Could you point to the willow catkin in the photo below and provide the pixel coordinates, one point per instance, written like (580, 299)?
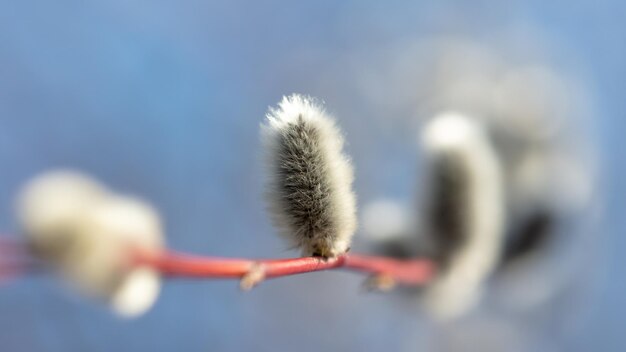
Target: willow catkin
(113, 229)
(464, 210)
(310, 179)
(87, 234)
(51, 208)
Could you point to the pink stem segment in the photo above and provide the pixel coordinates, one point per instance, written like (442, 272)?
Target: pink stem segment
(408, 272)
(15, 260)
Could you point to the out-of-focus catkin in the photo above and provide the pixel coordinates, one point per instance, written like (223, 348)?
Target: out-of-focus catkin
(88, 234)
(310, 178)
(463, 210)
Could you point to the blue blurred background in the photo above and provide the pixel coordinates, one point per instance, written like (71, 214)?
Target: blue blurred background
(164, 99)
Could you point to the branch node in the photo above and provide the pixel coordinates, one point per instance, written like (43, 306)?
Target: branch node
(253, 277)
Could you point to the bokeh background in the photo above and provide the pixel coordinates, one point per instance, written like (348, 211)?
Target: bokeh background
(163, 99)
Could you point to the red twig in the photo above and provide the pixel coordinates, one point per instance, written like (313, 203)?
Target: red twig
(14, 260)
(13, 269)
(409, 272)
(385, 271)
(11, 246)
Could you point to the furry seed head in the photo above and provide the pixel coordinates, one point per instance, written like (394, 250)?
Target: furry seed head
(310, 179)
(86, 233)
(464, 210)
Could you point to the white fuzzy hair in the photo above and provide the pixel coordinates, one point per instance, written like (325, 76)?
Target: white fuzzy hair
(310, 179)
(86, 233)
(52, 203)
(464, 211)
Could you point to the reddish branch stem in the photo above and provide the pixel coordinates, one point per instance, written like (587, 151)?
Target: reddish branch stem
(15, 259)
(409, 272)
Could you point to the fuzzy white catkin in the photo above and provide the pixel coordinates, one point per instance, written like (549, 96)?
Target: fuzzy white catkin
(467, 211)
(310, 178)
(51, 204)
(86, 232)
